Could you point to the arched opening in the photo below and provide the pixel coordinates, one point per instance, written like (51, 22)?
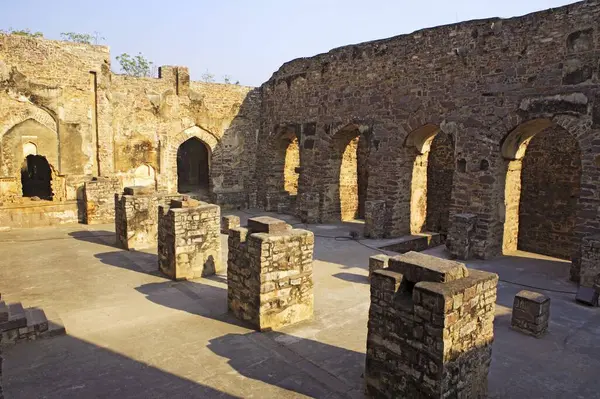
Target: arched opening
(291, 165)
(432, 178)
(36, 177)
(542, 189)
(193, 167)
(351, 152)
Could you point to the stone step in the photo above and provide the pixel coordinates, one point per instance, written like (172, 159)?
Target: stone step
(16, 318)
(36, 320)
(55, 325)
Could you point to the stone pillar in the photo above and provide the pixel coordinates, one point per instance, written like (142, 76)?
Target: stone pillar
(590, 260)
(375, 219)
(229, 222)
(98, 196)
(531, 313)
(460, 236)
(269, 273)
(136, 216)
(189, 242)
(430, 329)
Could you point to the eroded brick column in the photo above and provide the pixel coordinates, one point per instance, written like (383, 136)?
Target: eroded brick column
(189, 242)
(430, 329)
(375, 219)
(460, 236)
(98, 196)
(590, 260)
(269, 273)
(136, 216)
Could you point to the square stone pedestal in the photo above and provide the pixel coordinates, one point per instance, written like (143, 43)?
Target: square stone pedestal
(269, 273)
(189, 241)
(430, 329)
(531, 313)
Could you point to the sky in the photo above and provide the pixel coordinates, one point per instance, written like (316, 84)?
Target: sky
(247, 40)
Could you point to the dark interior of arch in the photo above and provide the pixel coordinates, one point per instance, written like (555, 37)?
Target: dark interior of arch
(440, 174)
(36, 177)
(193, 172)
(550, 184)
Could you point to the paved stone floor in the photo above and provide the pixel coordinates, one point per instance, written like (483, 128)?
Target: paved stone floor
(135, 334)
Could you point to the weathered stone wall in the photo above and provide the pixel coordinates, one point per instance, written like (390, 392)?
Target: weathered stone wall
(269, 273)
(189, 240)
(136, 216)
(99, 200)
(549, 192)
(477, 80)
(590, 260)
(430, 329)
(62, 99)
(440, 174)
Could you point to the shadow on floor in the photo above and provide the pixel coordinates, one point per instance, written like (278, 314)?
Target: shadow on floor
(102, 237)
(353, 278)
(141, 262)
(284, 360)
(67, 367)
(199, 299)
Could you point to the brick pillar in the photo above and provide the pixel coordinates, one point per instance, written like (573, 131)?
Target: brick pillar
(189, 241)
(430, 329)
(98, 196)
(460, 235)
(375, 219)
(590, 260)
(269, 273)
(136, 216)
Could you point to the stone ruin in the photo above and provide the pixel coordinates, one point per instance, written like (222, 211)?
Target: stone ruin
(136, 216)
(229, 222)
(269, 273)
(430, 329)
(531, 313)
(189, 241)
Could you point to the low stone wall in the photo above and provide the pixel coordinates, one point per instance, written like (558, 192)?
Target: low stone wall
(39, 214)
(189, 241)
(98, 196)
(430, 329)
(269, 273)
(590, 260)
(136, 216)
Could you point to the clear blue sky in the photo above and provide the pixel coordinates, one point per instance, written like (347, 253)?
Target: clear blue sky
(246, 39)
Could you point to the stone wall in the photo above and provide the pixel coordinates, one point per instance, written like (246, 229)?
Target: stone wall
(136, 216)
(269, 273)
(62, 99)
(440, 174)
(483, 82)
(430, 329)
(549, 191)
(590, 261)
(99, 197)
(189, 240)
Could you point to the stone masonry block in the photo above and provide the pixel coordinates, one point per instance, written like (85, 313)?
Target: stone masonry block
(139, 190)
(459, 241)
(267, 224)
(185, 203)
(416, 267)
(590, 260)
(189, 241)
(229, 222)
(269, 275)
(430, 329)
(377, 262)
(531, 313)
(375, 212)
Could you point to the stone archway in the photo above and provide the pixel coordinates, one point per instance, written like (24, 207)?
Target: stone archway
(432, 178)
(542, 189)
(169, 159)
(193, 167)
(36, 177)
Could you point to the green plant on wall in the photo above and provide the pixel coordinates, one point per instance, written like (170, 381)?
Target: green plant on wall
(21, 32)
(82, 37)
(138, 65)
